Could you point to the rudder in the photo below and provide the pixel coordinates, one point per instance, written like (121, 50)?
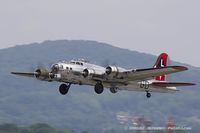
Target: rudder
(162, 61)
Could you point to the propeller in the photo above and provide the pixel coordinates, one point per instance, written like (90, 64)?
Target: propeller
(108, 70)
(85, 73)
(41, 72)
(107, 62)
(39, 65)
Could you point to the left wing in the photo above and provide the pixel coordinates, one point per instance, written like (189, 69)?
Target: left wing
(27, 74)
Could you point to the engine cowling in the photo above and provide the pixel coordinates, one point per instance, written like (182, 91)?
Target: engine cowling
(43, 74)
(88, 73)
(113, 71)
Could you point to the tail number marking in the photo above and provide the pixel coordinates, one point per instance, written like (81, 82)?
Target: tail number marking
(144, 84)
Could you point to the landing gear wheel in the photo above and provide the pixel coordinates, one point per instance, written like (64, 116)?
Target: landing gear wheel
(113, 90)
(148, 95)
(63, 89)
(98, 88)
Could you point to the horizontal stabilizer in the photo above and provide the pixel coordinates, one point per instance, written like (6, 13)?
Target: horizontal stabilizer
(171, 84)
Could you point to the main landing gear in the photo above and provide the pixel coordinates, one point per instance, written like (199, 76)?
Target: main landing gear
(98, 88)
(113, 90)
(64, 88)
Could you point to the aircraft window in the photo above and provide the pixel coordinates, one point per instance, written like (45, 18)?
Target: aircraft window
(67, 68)
(78, 63)
(70, 68)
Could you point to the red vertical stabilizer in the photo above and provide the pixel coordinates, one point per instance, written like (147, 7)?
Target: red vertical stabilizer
(162, 61)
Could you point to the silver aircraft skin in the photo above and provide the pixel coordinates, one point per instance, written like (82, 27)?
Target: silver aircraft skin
(112, 77)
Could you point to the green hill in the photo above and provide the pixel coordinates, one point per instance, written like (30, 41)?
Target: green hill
(27, 101)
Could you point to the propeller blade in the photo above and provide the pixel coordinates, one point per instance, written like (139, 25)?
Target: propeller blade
(107, 62)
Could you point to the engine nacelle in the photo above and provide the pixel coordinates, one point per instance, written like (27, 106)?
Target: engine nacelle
(113, 71)
(88, 73)
(43, 74)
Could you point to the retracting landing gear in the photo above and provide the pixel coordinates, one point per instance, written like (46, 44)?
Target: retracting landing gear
(148, 94)
(98, 88)
(113, 90)
(64, 88)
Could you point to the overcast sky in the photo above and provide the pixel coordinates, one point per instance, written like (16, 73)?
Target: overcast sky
(150, 26)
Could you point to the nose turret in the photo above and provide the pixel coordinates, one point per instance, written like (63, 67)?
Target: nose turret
(54, 68)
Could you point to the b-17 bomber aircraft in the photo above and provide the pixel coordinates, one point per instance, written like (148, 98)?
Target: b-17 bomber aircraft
(115, 78)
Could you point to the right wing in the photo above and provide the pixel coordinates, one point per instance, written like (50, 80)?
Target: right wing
(149, 73)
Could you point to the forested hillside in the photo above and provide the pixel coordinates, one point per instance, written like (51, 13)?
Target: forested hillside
(25, 101)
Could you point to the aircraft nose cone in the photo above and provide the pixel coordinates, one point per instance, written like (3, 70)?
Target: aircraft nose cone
(108, 70)
(85, 73)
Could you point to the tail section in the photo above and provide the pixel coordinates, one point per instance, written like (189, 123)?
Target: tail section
(162, 61)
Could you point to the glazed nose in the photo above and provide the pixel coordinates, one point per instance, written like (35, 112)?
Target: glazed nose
(55, 68)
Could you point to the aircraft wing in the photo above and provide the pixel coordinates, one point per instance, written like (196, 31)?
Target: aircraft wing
(28, 74)
(149, 73)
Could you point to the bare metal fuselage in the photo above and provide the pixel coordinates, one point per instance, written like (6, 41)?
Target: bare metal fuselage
(72, 73)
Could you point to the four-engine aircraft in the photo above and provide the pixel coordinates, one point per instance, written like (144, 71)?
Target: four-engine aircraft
(115, 78)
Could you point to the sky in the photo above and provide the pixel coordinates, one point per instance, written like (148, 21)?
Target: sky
(149, 26)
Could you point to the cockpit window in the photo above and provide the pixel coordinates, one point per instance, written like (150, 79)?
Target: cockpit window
(72, 62)
(77, 63)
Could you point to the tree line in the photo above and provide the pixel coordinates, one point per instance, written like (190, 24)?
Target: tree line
(35, 128)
